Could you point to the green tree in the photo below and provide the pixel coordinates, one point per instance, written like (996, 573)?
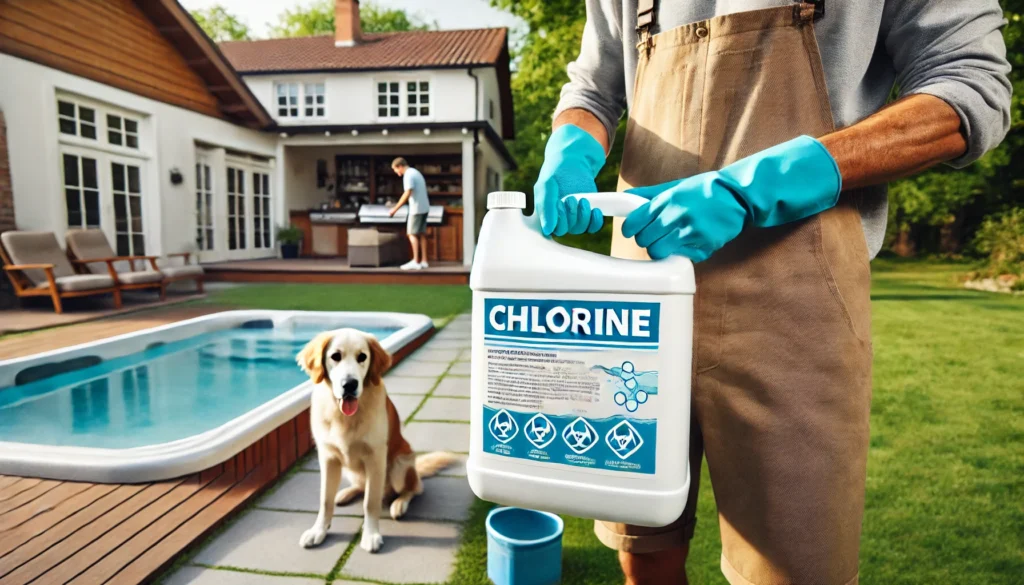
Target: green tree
(220, 25)
(554, 29)
(317, 18)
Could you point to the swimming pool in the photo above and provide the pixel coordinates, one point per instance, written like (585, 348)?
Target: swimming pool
(167, 401)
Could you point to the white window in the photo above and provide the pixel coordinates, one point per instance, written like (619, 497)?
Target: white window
(126, 186)
(122, 131)
(261, 209)
(204, 206)
(388, 96)
(417, 95)
(76, 119)
(236, 209)
(314, 100)
(81, 191)
(288, 100)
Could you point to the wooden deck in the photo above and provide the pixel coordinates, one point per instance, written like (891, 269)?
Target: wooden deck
(331, 270)
(83, 533)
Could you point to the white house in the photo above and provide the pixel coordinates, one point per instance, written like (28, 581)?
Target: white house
(123, 115)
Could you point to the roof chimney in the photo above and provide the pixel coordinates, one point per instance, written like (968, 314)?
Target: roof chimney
(346, 23)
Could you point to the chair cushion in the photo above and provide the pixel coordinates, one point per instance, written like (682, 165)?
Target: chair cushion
(182, 271)
(80, 282)
(140, 276)
(36, 248)
(92, 243)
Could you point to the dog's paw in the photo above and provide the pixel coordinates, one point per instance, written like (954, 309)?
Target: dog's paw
(371, 542)
(399, 507)
(312, 537)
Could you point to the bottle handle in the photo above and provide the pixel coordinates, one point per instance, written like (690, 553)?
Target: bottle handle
(619, 204)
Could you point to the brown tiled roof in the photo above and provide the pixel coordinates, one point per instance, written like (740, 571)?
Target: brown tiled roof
(397, 50)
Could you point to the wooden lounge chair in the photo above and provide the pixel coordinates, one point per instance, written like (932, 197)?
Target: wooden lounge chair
(37, 266)
(90, 252)
(91, 248)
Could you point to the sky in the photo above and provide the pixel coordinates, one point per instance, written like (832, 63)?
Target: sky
(449, 14)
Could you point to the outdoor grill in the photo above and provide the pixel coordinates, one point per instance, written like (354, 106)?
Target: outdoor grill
(378, 214)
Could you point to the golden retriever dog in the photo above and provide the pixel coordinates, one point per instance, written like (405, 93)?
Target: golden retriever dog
(357, 429)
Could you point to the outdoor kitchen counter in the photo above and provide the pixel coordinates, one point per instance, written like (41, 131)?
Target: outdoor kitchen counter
(444, 240)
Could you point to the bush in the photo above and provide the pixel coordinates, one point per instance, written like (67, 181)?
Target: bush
(289, 235)
(1001, 238)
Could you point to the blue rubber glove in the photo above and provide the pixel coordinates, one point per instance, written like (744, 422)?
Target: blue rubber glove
(696, 216)
(572, 159)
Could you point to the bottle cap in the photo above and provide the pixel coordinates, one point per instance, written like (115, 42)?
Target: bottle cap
(506, 200)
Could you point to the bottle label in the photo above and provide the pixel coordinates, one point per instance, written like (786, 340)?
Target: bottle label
(572, 382)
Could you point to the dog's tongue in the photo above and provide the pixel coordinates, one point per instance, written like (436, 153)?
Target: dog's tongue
(349, 406)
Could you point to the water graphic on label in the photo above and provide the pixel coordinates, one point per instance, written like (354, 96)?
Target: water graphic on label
(539, 431)
(634, 387)
(624, 440)
(503, 426)
(580, 436)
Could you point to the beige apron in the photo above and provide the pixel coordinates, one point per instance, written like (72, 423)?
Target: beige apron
(782, 354)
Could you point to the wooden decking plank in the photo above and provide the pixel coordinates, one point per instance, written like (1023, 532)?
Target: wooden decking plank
(17, 487)
(6, 480)
(33, 561)
(12, 539)
(157, 530)
(159, 556)
(116, 537)
(24, 497)
(41, 505)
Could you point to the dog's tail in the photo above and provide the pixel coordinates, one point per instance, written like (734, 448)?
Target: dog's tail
(429, 464)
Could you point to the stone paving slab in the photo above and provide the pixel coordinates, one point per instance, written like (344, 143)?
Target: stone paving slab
(465, 356)
(453, 386)
(429, 354)
(405, 404)
(411, 368)
(460, 369)
(443, 498)
(400, 385)
(413, 552)
(269, 541)
(301, 493)
(426, 436)
(204, 576)
(448, 344)
(444, 409)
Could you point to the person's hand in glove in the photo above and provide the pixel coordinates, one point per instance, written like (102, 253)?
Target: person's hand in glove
(572, 159)
(696, 216)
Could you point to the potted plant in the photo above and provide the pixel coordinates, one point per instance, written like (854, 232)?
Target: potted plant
(290, 238)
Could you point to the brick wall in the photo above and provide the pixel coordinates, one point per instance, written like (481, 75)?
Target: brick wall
(6, 208)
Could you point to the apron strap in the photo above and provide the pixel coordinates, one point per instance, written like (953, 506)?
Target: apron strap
(644, 16)
(819, 7)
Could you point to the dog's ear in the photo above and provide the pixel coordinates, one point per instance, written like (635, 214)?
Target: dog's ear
(311, 358)
(380, 361)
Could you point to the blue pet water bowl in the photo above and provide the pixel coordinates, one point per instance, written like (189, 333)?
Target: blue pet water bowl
(524, 547)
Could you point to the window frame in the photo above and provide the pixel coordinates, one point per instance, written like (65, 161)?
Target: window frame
(302, 88)
(418, 91)
(403, 104)
(101, 113)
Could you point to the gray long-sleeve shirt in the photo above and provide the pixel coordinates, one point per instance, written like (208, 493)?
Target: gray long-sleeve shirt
(952, 49)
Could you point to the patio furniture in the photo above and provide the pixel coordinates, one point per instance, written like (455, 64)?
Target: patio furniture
(90, 252)
(90, 246)
(369, 247)
(37, 266)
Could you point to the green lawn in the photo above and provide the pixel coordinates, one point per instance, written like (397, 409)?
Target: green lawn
(945, 489)
(436, 301)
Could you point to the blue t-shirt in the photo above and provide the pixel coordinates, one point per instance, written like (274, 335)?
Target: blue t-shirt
(418, 201)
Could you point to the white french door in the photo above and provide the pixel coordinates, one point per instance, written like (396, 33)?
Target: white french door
(261, 209)
(204, 203)
(81, 178)
(236, 208)
(126, 190)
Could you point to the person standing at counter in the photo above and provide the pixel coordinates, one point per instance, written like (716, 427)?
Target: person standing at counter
(416, 194)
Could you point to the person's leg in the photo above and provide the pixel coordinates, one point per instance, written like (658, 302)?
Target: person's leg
(423, 250)
(414, 240)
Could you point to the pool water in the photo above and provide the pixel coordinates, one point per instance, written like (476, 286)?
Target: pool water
(166, 392)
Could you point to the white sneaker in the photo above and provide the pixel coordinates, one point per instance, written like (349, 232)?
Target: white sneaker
(424, 265)
(410, 265)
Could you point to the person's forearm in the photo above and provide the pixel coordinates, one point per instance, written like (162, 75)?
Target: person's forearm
(587, 122)
(405, 197)
(904, 138)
